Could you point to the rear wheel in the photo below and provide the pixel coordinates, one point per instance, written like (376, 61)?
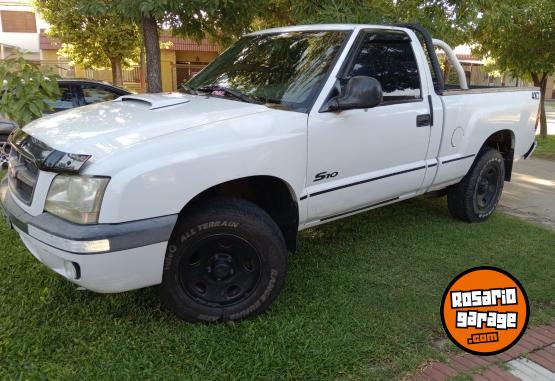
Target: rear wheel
(226, 260)
(475, 198)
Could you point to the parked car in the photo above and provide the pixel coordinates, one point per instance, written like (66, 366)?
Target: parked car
(6, 128)
(204, 193)
(74, 93)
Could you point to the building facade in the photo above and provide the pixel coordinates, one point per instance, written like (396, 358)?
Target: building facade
(180, 60)
(19, 29)
(22, 28)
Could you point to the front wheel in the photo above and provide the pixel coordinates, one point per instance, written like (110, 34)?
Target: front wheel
(226, 260)
(475, 198)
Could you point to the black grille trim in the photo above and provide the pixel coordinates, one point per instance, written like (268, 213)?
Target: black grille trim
(22, 176)
(45, 157)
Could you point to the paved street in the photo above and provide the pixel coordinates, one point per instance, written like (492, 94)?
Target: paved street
(531, 194)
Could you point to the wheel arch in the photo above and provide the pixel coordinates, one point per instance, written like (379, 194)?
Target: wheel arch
(272, 194)
(504, 142)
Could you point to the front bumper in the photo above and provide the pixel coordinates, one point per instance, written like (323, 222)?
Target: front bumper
(104, 258)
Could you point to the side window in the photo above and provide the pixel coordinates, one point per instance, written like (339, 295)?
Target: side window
(65, 101)
(94, 94)
(388, 57)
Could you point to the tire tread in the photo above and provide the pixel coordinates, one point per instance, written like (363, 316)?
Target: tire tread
(460, 197)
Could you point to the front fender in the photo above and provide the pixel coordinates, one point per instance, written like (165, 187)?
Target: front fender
(159, 178)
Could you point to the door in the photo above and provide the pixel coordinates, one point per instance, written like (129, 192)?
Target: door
(366, 157)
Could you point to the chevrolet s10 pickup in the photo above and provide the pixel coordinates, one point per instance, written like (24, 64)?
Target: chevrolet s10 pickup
(203, 192)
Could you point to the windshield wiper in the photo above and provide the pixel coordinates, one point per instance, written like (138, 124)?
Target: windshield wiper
(234, 93)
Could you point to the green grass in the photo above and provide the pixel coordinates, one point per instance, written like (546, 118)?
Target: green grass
(546, 148)
(361, 302)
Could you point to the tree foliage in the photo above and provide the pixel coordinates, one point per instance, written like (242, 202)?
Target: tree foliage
(225, 21)
(221, 21)
(26, 89)
(519, 36)
(438, 16)
(93, 41)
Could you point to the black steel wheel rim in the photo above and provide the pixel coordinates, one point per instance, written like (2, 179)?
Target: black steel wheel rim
(220, 270)
(487, 188)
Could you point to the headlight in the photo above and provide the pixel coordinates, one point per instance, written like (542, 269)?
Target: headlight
(76, 198)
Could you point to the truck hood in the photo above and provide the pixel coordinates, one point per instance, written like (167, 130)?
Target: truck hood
(104, 128)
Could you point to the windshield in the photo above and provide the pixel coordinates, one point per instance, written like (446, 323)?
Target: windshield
(284, 69)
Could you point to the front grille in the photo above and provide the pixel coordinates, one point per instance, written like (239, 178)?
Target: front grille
(22, 176)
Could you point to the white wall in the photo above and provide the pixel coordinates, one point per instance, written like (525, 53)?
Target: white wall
(25, 41)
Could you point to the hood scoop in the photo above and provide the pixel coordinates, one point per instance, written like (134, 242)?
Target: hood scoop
(156, 101)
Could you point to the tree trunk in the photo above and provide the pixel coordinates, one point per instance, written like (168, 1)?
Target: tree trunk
(117, 76)
(542, 116)
(142, 70)
(151, 40)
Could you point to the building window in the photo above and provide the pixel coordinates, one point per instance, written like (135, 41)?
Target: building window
(19, 22)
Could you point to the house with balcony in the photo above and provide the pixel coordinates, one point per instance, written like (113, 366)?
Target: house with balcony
(22, 28)
(19, 29)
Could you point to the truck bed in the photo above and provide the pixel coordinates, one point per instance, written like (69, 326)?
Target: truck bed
(455, 90)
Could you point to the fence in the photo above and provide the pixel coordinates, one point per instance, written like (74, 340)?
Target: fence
(65, 70)
(62, 68)
(181, 73)
(130, 75)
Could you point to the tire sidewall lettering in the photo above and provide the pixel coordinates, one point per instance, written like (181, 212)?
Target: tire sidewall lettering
(206, 226)
(271, 273)
(173, 248)
(253, 307)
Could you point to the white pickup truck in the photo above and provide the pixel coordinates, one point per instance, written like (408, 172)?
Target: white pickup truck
(203, 192)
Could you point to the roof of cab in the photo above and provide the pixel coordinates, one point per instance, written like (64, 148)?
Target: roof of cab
(322, 27)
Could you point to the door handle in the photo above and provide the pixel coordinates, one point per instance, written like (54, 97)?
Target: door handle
(424, 120)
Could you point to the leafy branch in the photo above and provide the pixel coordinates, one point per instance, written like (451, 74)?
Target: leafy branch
(26, 89)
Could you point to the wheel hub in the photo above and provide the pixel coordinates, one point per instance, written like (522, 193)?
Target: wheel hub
(487, 188)
(221, 266)
(220, 270)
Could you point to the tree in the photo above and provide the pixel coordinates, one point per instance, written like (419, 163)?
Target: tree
(438, 16)
(520, 37)
(225, 21)
(92, 41)
(26, 89)
(222, 21)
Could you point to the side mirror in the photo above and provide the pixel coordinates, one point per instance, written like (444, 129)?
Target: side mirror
(361, 92)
